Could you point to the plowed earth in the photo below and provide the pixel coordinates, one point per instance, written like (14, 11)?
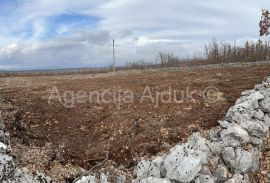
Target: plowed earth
(88, 132)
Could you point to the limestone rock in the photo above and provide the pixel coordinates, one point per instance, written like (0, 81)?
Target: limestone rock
(204, 179)
(183, 163)
(159, 162)
(87, 179)
(155, 180)
(238, 178)
(147, 169)
(255, 128)
(221, 173)
(239, 160)
(265, 104)
(235, 136)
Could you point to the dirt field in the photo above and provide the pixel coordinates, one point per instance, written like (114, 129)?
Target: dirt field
(86, 132)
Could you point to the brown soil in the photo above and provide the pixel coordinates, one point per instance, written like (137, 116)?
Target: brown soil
(90, 132)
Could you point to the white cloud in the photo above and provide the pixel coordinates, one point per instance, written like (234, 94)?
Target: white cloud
(141, 28)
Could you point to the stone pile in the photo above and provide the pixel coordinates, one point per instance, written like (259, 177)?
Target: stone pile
(230, 152)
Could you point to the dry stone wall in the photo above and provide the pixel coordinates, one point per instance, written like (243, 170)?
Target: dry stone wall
(229, 154)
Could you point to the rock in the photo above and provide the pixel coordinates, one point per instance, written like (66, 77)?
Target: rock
(239, 113)
(87, 179)
(103, 178)
(255, 96)
(248, 92)
(266, 120)
(204, 179)
(257, 114)
(256, 159)
(217, 147)
(238, 178)
(235, 136)
(7, 166)
(265, 104)
(213, 162)
(239, 160)
(225, 124)
(221, 173)
(121, 179)
(3, 147)
(41, 178)
(155, 180)
(251, 95)
(159, 162)
(205, 170)
(200, 146)
(255, 128)
(183, 163)
(256, 141)
(214, 134)
(23, 175)
(258, 87)
(147, 169)
(2, 136)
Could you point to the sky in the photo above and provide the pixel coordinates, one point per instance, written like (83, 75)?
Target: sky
(53, 34)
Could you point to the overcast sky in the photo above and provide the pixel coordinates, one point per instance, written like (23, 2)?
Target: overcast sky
(41, 34)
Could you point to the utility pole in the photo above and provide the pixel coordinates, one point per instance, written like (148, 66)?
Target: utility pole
(113, 55)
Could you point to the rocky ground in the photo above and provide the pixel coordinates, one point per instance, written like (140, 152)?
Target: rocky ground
(37, 131)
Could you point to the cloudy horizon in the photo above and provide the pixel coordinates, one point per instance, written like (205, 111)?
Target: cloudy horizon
(53, 34)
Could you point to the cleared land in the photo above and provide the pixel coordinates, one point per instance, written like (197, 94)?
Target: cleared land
(92, 131)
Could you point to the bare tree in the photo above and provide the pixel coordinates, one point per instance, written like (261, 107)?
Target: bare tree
(264, 23)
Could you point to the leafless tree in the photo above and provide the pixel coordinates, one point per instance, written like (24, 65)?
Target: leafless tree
(264, 23)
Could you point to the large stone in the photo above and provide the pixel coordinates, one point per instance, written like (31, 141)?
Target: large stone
(23, 175)
(155, 180)
(159, 162)
(257, 114)
(121, 179)
(217, 147)
(266, 120)
(183, 163)
(199, 144)
(87, 179)
(103, 178)
(239, 113)
(214, 134)
(147, 169)
(238, 178)
(225, 124)
(251, 95)
(265, 104)
(239, 160)
(7, 166)
(235, 136)
(255, 128)
(204, 179)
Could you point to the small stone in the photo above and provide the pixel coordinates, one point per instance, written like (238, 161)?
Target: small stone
(147, 169)
(221, 173)
(213, 162)
(205, 170)
(204, 179)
